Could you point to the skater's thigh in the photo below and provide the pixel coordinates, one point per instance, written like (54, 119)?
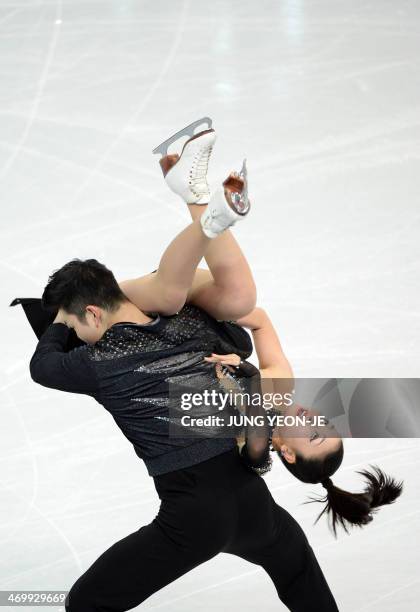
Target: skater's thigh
(145, 292)
(202, 279)
(130, 571)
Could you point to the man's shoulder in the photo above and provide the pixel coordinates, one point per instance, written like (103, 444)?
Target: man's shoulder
(232, 336)
(128, 339)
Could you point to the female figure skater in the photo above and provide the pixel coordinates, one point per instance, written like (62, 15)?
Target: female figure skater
(210, 501)
(311, 453)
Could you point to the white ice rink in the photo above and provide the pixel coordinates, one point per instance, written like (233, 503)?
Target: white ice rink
(323, 97)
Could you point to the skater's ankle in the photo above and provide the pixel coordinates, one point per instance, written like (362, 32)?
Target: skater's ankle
(196, 210)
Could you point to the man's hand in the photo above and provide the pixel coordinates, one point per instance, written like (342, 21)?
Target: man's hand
(60, 318)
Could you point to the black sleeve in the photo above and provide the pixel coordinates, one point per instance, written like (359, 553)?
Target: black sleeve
(51, 366)
(247, 369)
(260, 463)
(232, 338)
(256, 450)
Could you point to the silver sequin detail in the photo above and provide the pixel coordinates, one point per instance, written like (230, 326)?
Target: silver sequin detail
(160, 401)
(263, 469)
(124, 340)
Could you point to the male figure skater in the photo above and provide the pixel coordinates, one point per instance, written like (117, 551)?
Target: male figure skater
(211, 501)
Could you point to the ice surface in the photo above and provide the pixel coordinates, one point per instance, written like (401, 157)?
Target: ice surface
(323, 99)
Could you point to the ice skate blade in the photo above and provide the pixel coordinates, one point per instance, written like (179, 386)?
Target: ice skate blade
(189, 130)
(244, 175)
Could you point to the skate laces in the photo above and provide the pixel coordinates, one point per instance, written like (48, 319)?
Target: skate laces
(198, 174)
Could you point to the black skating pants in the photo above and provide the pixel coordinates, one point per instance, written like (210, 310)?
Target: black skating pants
(216, 506)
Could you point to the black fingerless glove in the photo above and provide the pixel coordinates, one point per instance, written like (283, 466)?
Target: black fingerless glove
(247, 369)
(262, 465)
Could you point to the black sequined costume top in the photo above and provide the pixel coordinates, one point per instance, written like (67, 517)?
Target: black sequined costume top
(129, 369)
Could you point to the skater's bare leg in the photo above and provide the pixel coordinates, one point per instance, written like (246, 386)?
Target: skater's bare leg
(227, 290)
(166, 290)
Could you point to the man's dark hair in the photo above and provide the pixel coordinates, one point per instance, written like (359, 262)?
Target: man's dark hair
(79, 283)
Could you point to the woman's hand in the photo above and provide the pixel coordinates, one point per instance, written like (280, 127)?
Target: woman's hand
(224, 364)
(231, 359)
(225, 360)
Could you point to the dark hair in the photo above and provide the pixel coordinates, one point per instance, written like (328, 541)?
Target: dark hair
(345, 508)
(79, 283)
(315, 470)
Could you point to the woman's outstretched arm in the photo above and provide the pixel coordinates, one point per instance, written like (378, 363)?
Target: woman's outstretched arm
(272, 361)
(276, 376)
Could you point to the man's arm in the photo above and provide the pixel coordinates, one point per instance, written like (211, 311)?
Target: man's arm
(51, 366)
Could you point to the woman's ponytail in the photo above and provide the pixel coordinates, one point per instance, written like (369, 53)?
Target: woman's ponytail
(357, 509)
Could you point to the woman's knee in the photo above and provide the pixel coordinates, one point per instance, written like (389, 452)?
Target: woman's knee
(238, 303)
(172, 301)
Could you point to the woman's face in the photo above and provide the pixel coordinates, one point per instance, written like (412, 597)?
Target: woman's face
(311, 441)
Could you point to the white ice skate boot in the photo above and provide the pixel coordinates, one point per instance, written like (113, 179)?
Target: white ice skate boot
(227, 205)
(186, 173)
